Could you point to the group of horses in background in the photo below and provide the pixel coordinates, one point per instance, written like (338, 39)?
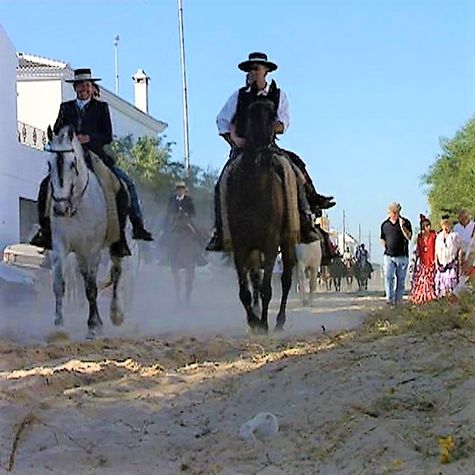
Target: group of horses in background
(311, 273)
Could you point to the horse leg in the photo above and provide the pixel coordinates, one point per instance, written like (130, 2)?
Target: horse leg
(286, 284)
(301, 281)
(256, 289)
(245, 295)
(177, 282)
(313, 283)
(116, 313)
(89, 273)
(190, 277)
(266, 293)
(58, 287)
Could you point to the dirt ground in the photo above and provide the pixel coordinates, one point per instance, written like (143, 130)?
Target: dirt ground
(168, 393)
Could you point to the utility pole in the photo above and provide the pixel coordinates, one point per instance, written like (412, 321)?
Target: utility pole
(184, 89)
(369, 244)
(344, 232)
(116, 61)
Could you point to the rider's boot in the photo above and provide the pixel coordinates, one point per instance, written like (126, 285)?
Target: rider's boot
(317, 201)
(216, 242)
(139, 231)
(120, 247)
(43, 236)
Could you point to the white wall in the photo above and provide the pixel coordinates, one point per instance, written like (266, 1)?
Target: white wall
(123, 125)
(21, 167)
(38, 102)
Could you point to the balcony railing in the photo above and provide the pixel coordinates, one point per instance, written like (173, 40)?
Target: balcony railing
(31, 136)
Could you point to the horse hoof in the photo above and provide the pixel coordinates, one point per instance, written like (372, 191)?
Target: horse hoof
(91, 334)
(117, 318)
(58, 321)
(279, 328)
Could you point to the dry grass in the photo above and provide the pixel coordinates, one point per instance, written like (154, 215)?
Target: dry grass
(429, 319)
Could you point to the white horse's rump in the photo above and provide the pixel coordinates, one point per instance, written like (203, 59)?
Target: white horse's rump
(79, 224)
(309, 257)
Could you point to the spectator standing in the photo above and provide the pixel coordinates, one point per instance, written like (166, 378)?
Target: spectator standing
(396, 232)
(449, 254)
(423, 280)
(465, 228)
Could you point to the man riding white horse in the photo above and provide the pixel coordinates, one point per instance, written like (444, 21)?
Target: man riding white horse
(90, 119)
(231, 122)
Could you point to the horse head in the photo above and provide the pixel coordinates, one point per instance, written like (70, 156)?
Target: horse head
(67, 171)
(260, 124)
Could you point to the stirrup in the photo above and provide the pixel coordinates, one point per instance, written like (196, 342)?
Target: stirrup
(215, 244)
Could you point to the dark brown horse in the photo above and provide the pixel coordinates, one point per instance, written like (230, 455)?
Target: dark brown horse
(184, 243)
(258, 219)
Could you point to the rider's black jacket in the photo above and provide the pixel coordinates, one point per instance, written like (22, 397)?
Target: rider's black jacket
(176, 207)
(93, 120)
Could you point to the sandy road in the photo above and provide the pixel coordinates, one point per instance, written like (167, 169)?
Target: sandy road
(173, 401)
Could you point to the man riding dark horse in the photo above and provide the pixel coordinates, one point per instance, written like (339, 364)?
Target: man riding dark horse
(231, 122)
(179, 220)
(90, 119)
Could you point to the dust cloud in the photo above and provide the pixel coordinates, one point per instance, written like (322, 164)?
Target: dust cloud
(153, 309)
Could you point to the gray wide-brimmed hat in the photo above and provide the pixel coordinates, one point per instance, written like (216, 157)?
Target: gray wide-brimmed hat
(257, 58)
(82, 74)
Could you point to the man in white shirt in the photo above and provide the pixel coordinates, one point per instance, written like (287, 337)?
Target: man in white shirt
(465, 228)
(231, 123)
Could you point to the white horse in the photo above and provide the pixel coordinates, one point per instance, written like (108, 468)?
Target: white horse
(78, 224)
(309, 257)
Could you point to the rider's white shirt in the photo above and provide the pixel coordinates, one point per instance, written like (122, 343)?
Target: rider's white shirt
(226, 115)
(466, 233)
(82, 103)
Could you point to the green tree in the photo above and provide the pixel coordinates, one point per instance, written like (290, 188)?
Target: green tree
(148, 162)
(451, 178)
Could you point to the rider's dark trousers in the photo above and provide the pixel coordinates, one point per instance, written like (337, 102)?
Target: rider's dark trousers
(135, 210)
(42, 197)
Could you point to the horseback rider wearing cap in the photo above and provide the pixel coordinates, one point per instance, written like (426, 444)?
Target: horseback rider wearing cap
(231, 123)
(91, 121)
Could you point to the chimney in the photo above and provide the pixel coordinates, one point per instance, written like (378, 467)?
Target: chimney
(141, 90)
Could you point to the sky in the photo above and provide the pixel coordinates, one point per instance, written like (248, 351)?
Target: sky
(373, 84)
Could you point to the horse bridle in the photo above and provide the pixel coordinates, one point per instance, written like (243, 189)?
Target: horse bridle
(73, 210)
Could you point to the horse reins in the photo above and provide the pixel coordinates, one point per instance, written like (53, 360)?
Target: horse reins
(71, 191)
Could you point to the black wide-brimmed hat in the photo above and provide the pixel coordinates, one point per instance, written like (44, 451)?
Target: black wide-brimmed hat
(83, 74)
(257, 58)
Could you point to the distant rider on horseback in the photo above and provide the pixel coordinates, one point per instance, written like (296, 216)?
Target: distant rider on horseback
(180, 212)
(362, 256)
(91, 121)
(231, 122)
(180, 203)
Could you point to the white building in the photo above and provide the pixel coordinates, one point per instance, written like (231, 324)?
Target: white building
(21, 167)
(31, 90)
(41, 88)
